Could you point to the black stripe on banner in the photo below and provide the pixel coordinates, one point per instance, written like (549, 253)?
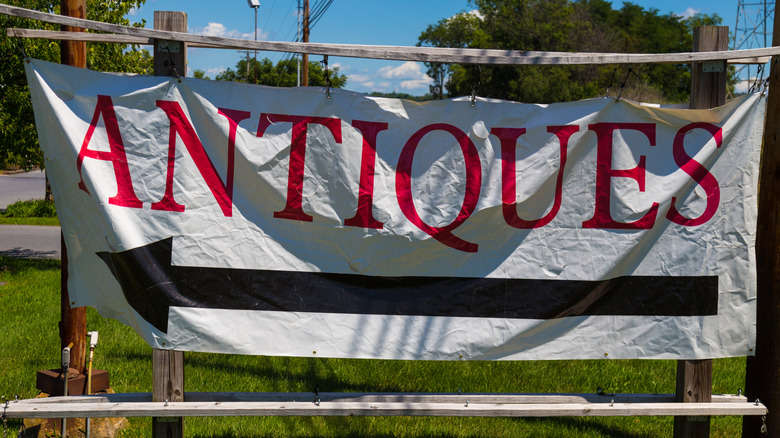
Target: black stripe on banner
(151, 285)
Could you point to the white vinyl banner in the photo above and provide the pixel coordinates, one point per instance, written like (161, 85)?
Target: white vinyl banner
(225, 217)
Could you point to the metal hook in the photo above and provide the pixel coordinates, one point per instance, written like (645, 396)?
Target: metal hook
(625, 81)
(20, 43)
(327, 75)
(173, 64)
(475, 84)
(611, 81)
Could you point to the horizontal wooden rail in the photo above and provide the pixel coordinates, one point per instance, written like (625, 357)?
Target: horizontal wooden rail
(402, 397)
(399, 53)
(372, 404)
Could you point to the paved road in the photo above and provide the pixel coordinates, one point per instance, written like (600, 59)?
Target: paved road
(30, 241)
(21, 187)
(26, 240)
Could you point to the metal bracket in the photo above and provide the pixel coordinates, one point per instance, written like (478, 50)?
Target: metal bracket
(169, 46)
(697, 418)
(167, 419)
(712, 66)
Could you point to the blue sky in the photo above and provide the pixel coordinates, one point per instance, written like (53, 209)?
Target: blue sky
(372, 22)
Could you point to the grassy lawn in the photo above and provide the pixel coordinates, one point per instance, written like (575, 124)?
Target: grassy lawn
(29, 311)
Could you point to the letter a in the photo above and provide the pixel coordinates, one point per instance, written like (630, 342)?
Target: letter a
(125, 195)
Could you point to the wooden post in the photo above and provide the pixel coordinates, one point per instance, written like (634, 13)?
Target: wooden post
(170, 58)
(708, 90)
(763, 370)
(305, 39)
(73, 322)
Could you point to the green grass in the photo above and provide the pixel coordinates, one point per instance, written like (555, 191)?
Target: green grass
(29, 311)
(32, 212)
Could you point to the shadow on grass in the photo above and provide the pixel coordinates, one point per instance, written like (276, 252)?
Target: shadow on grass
(19, 263)
(592, 425)
(25, 253)
(524, 427)
(291, 373)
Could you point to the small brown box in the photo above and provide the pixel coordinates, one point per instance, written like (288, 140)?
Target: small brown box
(51, 382)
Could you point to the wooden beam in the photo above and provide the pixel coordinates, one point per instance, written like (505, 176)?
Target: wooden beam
(366, 397)
(170, 59)
(73, 320)
(708, 90)
(421, 54)
(373, 409)
(763, 370)
(15, 32)
(167, 387)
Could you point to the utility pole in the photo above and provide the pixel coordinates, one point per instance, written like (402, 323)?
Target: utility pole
(254, 4)
(73, 323)
(762, 380)
(305, 62)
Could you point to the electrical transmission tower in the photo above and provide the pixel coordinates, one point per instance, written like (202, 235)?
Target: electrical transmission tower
(753, 30)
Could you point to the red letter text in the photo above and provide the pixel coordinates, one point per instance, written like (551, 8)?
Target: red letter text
(602, 217)
(294, 209)
(125, 194)
(403, 183)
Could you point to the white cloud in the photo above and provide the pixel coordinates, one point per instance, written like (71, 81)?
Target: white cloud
(690, 12)
(407, 70)
(358, 78)
(219, 30)
(213, 72)
(408, 77)
(417, 84)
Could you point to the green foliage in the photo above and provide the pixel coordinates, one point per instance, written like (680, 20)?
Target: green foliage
(405, 96)
(18, 136)
(282, 74)
(200, 74)
(30, 209)
(565, 26)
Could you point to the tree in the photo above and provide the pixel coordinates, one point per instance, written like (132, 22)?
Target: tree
(566, 26)
(18, 136)
(283, 74)
(460, 31)
(200, 74)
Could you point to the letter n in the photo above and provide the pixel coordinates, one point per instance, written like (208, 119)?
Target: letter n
(180, 125)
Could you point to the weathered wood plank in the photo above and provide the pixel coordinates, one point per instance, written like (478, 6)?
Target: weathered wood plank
(421, 54)
(168, 365)
(146, 41)
(92, 37)
(708, 90)
(221, 409)
(385, 398)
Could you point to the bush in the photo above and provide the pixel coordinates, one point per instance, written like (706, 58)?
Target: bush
(31, 208)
